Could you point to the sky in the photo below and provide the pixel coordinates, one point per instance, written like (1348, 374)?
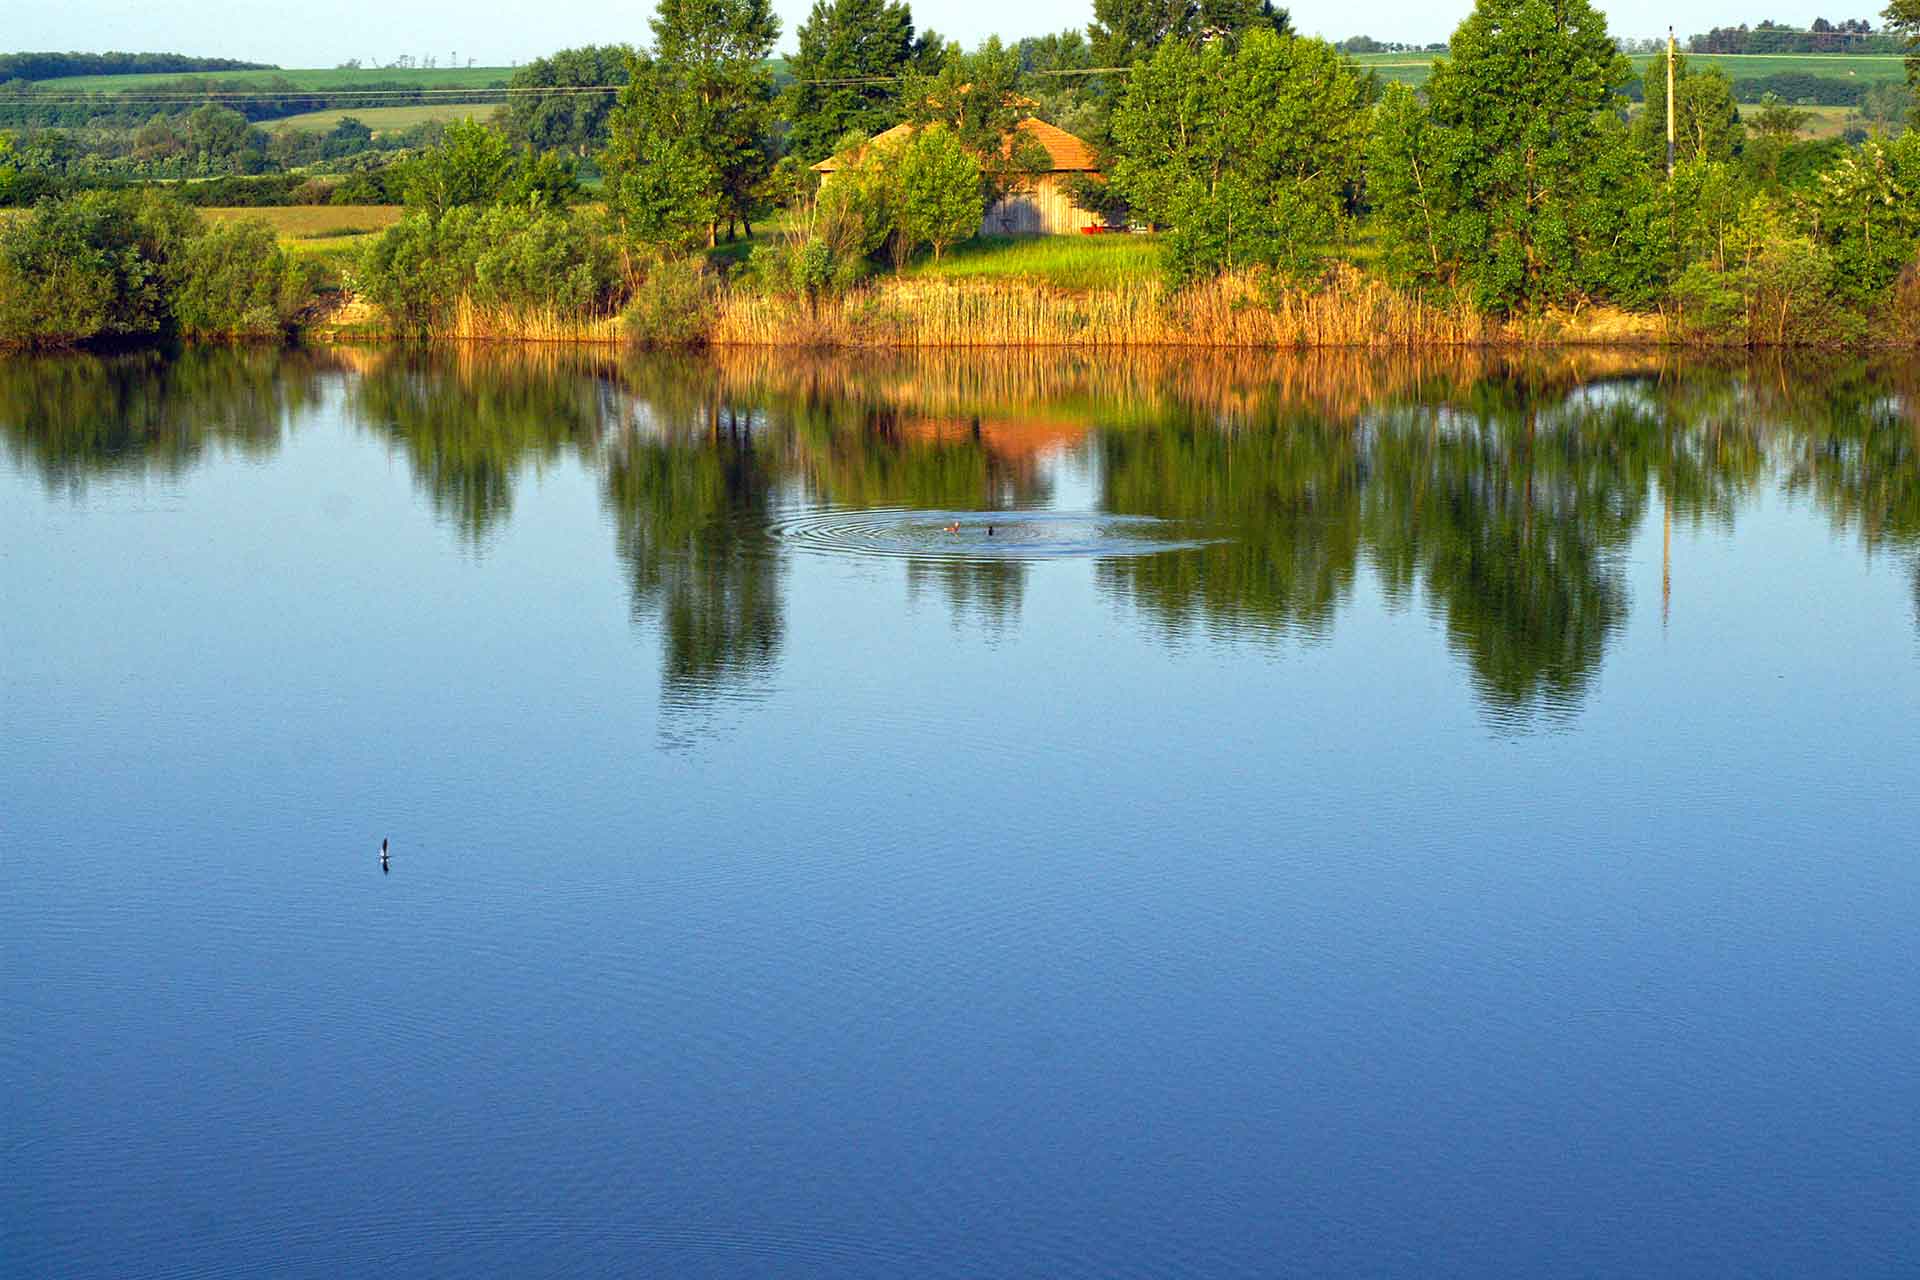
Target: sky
(377, 31)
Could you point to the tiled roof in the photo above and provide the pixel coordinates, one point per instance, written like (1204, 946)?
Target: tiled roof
(1065, 153)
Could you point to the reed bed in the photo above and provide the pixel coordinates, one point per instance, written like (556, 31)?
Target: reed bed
(1348, 308)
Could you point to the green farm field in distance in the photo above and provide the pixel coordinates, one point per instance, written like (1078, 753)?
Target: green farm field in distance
(1859, 68)
(384, 119)
(329, 78)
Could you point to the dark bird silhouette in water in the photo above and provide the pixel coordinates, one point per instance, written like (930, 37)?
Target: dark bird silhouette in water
(384, 868)
(989, 531)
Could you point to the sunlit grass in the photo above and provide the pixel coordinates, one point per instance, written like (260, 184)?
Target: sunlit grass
(332, 222)
(385, 119)
(1076, 262)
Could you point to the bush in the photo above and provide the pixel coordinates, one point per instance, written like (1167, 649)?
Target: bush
(513, 258)
(99, 264)
(237, 282)
(672, 307)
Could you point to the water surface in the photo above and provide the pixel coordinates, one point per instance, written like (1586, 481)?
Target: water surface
(1347, 818)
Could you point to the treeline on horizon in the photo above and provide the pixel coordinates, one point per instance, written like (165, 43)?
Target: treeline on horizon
(55, 66)
(1512, 185)
(1854, 35)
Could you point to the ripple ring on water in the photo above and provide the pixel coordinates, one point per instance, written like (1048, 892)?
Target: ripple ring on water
(919, 534)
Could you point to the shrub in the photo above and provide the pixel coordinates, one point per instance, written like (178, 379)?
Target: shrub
(672, 307)
(937, 192)
(98, 264)
(237, 282)
(516, 259)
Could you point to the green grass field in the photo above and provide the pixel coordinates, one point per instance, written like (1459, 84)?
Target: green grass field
(385, 119)
(316, 221)
(1066, 262)
(1412, 68)
(440, 78)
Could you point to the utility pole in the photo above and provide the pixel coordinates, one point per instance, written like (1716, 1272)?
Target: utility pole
(1669, 102)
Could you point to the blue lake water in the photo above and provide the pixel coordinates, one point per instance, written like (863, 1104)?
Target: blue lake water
(1347, 818)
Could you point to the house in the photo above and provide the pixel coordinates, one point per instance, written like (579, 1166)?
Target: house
(1040, 206)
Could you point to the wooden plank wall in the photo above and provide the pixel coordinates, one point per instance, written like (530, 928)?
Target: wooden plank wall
(1041, 210)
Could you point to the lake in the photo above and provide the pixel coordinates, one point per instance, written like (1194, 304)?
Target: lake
(1049, 815)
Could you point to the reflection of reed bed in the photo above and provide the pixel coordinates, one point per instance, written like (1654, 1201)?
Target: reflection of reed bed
(1150, 385)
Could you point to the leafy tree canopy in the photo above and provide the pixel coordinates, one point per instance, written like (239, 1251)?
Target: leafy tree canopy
(1124, 31)
(575, 122)
(848, 72)
(1516, 177)
(1246, 155)
(1706, 121)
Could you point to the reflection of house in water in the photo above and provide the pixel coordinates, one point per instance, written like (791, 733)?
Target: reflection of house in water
(1039, 205)
(1017, 449)
(1015, 441)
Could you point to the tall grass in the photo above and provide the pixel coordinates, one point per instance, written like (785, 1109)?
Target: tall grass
(1346, 309)
(1061, 262)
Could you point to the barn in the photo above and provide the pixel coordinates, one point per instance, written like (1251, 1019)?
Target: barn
(1040, 207)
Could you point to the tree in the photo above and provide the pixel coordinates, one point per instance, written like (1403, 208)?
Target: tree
(1866, 211)
(1903, 19)
(663, 178)
(977, 96)
(1775, 127)
(471, 166)
(848, 52)
(216, 135)
(938, 198)
(1125, 31)
(1706, 121)
(574, 122)
(1517, 178)
(349, 136)
(1247, 155)
(718, 50)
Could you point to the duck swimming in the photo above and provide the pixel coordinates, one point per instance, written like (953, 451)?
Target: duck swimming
(383, 853)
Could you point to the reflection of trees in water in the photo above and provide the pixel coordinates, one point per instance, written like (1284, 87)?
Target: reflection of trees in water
(989, 592)
(1280, 502)
(73, 418)
(1499, 494)
(1510, 519)
(691, 507)
(470, 423)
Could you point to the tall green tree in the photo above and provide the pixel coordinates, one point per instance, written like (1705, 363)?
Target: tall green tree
(718, 51)
(1516, 179)
(977, 97)
(559, 119)
(1125, 31)
(847, 73)
(1706, 121)
(1246, 155)
(663, 178)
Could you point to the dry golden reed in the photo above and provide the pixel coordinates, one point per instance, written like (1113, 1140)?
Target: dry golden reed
(1347, 309)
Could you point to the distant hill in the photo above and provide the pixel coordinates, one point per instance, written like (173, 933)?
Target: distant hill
(51, 66)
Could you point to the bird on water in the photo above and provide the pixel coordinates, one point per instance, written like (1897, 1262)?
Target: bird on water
(383, 853)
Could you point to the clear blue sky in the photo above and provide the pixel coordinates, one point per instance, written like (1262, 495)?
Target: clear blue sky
(379, 30)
